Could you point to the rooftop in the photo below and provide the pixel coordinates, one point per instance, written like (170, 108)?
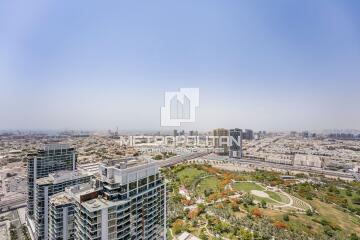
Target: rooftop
(94, 202)
(61, 176)
(60, 199)
(127, 170)
(56, 146)
(127, 162)
(101, 203)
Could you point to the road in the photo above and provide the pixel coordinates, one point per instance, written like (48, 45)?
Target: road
(181, 158)
(12, 204)
(301, 168)
(314, 170)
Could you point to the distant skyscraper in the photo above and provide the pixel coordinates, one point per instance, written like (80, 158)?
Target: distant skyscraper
(48, 159)
(193, 133)
(293, 133)
(248, 134)
(236, 146)
(221, 132)
(305, 134)
(129, 204)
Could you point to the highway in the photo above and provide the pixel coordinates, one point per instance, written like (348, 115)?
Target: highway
(182, 158)
(179, 159)
(12, 204)
(294, 168)
(301, 169)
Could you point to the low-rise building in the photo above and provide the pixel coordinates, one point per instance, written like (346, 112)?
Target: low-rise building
(308, 160)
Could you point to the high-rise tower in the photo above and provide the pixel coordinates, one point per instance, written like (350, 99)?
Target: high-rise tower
(48, 159)
(235, 143)
(129, 202)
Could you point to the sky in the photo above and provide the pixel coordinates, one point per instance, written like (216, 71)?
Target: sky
(265, 65)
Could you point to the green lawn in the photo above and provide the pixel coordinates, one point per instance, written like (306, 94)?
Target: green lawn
(187, 175)
(267, 200)
(208, 183)
(274, 195)
(247, 186)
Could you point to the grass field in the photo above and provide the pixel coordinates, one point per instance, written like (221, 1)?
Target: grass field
(187, 175)
(274, 196)
(267, 200)
(329, 212)
(247, 186)
(298, 222)
(208, 183)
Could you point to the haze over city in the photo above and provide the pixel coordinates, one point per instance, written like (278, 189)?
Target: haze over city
(279, 65)
(180, 120)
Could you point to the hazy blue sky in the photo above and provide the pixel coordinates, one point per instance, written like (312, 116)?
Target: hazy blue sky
(274, 65)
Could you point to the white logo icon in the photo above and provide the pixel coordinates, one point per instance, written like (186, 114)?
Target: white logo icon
(179, 107)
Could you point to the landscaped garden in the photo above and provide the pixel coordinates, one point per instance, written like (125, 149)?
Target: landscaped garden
(217, 204)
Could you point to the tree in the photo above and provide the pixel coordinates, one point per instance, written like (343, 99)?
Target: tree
(13, 234)
(219, 206)
(353, 236)
(280, 224)
(203, 236)
(263, 203)
(208, 192)
(356, 200)
(256, 212)
(348, 192)
(286, 217)
(193, 214)
(333, 189)
(248, 199)
(309, 212)
(234, 206)
(201, 208)
(245, 234)
(328, 231)
(158, 157)
(178, 226)
(212, 197)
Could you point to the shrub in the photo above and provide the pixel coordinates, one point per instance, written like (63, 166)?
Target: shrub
(256, 212)
(356, 200)
(279, 224)
(309, 212)
(328, 231)
(178, 226)
(353, 236)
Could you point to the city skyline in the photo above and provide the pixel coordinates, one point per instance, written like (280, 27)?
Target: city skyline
(274, 66)
(173, 120)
